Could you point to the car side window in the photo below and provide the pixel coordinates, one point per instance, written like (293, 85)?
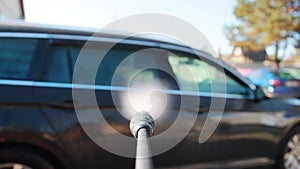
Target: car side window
(62, 60)
(58, 67)
(15, 57)
(123, 67)
(203, 75)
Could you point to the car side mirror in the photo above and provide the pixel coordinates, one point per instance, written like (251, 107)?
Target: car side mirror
(261, 93)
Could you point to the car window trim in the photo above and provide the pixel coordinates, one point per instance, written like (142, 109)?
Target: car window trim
(114, 88)
(104, 39)
(24, 35)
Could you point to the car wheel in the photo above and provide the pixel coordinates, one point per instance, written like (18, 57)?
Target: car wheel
(290, 151)
(13, 166)
(15, 158)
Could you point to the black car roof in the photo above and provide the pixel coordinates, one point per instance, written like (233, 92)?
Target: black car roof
(53, 29)
(80, 31)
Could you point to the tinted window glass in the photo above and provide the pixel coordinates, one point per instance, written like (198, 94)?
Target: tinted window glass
(191, 72)
(15, 57)
(58, 65)
(123, 67)
(62, 60)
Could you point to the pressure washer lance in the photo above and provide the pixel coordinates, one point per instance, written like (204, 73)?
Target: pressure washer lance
(142, 127)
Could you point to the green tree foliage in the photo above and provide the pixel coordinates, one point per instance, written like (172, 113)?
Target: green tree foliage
(262, 23)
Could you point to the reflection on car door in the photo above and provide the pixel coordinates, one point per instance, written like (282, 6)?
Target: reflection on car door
(251, 132)
(240, 129)
(191, 72)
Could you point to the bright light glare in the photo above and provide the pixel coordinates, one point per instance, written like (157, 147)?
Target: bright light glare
(141, 97)
(271, 89)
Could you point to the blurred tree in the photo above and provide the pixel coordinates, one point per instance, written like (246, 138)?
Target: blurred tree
(262, 23)
(294, 60)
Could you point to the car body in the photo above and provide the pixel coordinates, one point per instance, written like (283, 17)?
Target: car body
(284, 82)
(40, 129)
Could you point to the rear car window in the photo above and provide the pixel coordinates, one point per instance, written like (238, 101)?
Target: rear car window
(15, 57)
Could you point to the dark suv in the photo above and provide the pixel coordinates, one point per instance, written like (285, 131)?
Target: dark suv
(39, 128)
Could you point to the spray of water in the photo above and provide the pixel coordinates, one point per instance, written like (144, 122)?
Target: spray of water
(144, 97)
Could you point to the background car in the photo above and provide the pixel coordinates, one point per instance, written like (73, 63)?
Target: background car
(39, 127)
(284, 82)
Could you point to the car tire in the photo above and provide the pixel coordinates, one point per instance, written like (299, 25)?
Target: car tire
(21, 158)
(289, 154)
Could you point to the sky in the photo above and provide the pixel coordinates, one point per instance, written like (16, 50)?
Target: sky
(209, 17)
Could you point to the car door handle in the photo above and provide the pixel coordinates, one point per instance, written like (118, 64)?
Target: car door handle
(202, 109)
(63, 104)
(224, 126)
(68, 102)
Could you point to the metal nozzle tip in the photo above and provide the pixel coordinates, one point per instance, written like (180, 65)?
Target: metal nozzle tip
(141, 120)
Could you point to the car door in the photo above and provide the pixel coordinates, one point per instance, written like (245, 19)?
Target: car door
(53, 93)
(19, 54)
(244, 135)
(206, 77)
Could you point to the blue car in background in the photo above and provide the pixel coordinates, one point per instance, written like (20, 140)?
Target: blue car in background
(281, 83)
